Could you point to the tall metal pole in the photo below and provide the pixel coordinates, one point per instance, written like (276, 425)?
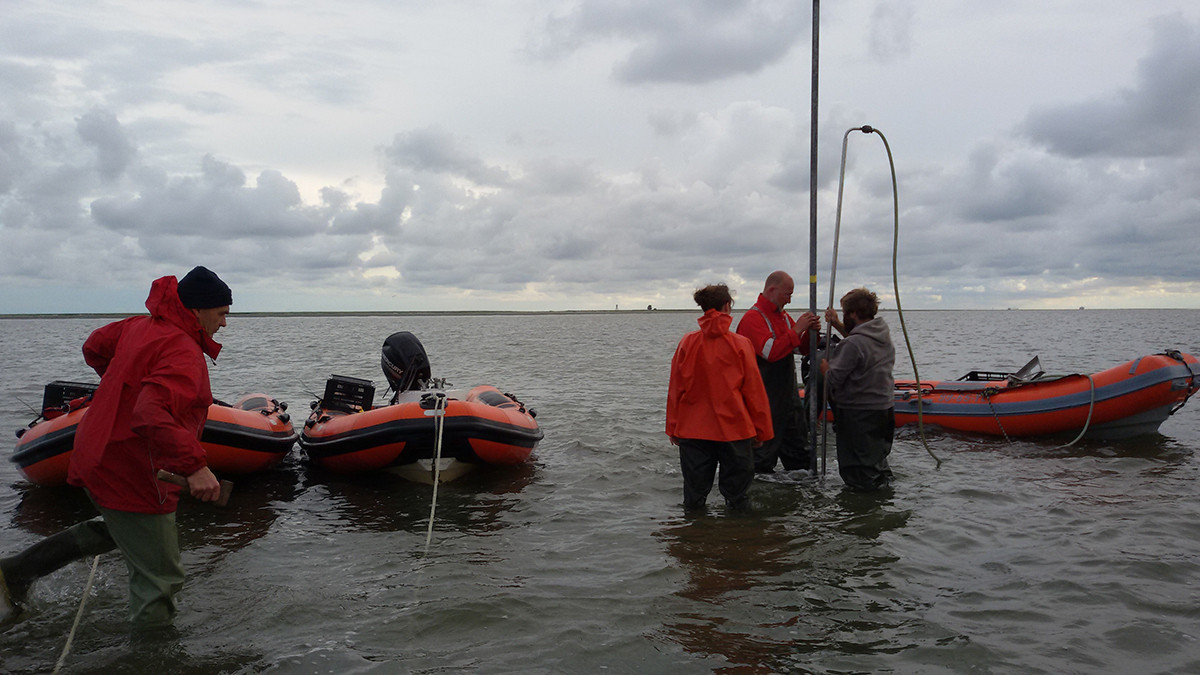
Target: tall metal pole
(812, 395)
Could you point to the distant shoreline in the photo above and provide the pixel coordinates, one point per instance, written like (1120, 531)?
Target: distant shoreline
(462, 312)
(559, 312)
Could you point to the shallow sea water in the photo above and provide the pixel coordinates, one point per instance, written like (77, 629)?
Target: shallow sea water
(1009, 557)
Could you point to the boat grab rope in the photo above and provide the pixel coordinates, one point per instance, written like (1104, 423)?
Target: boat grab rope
(87, 589)
(1191, 389)
(439, 423)
(868, 129)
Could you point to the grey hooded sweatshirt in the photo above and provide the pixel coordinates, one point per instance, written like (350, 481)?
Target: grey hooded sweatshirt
(860, 367)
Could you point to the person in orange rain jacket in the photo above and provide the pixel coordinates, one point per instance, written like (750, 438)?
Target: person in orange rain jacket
(717, 408)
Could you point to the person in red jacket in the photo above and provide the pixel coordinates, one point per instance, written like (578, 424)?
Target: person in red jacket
(147, 414)
(776, 339)
(717, 409)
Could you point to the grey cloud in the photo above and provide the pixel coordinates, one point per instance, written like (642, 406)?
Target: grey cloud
(1012, 187)
(33, 84)
(690, 43)
(12, 161)
(436, 151)
(332, 76)
(42, 183)
(114, 149)
(557, 175)
(1156, 117)
(891, 30)
(216, 203)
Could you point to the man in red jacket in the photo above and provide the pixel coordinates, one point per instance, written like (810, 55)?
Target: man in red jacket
(147, 414)
(717, 408)
(776, 339)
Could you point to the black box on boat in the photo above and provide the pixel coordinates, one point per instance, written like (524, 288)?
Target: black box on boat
(60, 392)
(348, 394)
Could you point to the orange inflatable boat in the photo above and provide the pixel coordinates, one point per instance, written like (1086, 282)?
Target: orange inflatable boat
(253, 434)
(422, 422)
(1128, 400)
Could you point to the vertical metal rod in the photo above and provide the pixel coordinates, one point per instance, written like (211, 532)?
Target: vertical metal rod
(812, 237)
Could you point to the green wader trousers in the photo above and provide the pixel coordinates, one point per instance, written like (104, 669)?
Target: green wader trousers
(149, 542)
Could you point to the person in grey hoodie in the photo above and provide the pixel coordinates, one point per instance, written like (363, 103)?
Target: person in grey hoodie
(859, 370)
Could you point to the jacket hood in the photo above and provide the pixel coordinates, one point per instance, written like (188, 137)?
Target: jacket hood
(714, 323)
(164, 303)
(875, 330)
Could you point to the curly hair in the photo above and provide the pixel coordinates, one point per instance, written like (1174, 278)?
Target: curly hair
(861, 302)
(713, 296)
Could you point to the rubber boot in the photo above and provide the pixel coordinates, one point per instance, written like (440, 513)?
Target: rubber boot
(18, 572)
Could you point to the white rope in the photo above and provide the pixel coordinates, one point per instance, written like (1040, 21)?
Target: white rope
(1088, 421)
(439, 421)
(87, 589)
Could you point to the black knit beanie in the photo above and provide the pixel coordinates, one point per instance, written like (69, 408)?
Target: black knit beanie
(202, 289)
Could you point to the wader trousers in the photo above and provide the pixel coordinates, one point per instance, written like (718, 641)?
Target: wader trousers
(149, 542)
(789, 445)
(699, 460)
(864, 441)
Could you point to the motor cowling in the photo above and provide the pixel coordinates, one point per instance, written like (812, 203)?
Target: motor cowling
(404, 362)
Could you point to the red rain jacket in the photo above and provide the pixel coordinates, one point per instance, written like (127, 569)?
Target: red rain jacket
(150, 408)
(773, 341)
(716, 392)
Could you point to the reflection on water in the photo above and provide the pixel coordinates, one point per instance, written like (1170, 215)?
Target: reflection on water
(384, 502)
(802, 572)
(45, 510)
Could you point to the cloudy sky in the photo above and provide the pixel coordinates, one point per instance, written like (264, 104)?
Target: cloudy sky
(589, 154)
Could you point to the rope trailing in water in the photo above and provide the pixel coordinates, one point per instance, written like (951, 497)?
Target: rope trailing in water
(439, 422)
(868, 129)
(87, 589)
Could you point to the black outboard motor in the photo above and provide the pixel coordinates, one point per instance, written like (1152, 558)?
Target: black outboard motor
(404, 362)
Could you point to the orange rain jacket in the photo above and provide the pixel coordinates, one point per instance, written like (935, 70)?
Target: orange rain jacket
(150, 408)
(716, 392)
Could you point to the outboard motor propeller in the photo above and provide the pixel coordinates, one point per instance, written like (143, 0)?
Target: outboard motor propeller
(404, 362)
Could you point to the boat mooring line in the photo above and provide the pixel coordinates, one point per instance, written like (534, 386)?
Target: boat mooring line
(87, 589)
(837, 227)
(439, 412)
(987, 394)
(1191, 387)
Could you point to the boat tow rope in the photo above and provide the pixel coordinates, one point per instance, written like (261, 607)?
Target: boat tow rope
(439, 423)
(837, 227)
(87, 590)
